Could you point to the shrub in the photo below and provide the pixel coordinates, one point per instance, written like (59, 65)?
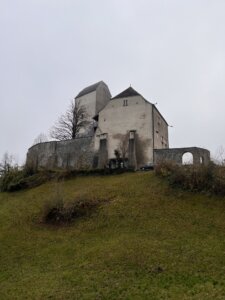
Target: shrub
(57, 211)
(15, 179)
(10, 178)
(210, 178)
(60, 213)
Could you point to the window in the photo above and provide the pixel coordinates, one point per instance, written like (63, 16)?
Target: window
(132, 134)
(125, 102)
(187, 158)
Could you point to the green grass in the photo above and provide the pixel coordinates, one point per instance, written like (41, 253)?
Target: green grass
(148, 242)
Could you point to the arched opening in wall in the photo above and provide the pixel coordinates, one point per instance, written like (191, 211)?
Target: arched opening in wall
(187, 158)
(201, 160)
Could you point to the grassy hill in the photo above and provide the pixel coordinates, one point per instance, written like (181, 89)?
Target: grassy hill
(148, 241)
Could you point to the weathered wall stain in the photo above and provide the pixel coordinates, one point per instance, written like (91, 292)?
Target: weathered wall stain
(142, 146)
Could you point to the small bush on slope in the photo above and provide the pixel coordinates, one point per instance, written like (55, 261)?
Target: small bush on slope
(210, 178)
(9, 178)
(57, 211)
(15, 180)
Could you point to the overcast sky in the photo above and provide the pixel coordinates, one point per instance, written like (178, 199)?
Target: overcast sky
(171, 51)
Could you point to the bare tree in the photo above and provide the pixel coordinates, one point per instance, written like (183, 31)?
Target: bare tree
(219, 157)
(122, 149)
(7, 163)
(123, 146)
(70, 124)
(41, 138)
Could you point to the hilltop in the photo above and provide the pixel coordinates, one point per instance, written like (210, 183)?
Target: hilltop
(145, 241)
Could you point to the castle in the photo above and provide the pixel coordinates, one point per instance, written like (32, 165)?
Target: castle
(126, 125)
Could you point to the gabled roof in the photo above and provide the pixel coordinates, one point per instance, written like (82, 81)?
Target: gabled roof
(130, 92)
(89, 89)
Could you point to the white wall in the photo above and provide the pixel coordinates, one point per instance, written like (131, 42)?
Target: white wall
(89, 101)
(116, 120)
(161, 139)
(103, 96)
(94, 102)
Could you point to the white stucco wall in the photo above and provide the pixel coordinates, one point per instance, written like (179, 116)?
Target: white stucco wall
(89, 101)
(116, 120)
(103, 96)
(161, 139)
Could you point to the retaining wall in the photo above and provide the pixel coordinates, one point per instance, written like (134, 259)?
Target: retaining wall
(70, 154)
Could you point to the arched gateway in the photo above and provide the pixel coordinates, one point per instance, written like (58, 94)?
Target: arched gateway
(200, 155)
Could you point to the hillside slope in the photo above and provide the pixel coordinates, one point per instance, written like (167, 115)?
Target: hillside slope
(147, 242)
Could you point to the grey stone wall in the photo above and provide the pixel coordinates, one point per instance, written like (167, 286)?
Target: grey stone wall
(132, 157)
(160, 130)
(200, 155)
(71, 154)
(103, 153)
(103, 96)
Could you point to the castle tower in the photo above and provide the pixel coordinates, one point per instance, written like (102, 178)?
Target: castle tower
(94, 98)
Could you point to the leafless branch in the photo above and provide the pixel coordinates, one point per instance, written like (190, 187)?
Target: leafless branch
(70, 124)
(123, 146)
(41, 138)
(7, 163)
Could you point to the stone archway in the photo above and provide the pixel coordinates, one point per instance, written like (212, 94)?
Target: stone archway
(187, 158)
(201, 160)
(199, 155)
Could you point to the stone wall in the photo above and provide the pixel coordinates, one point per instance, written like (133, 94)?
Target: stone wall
(71, 154)
(160, 130)
(200, 155)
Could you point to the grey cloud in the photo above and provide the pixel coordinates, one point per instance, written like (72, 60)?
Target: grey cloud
(172, 52)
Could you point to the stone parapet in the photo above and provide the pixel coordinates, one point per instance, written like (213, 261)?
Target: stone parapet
(69, 154)
(200, 155)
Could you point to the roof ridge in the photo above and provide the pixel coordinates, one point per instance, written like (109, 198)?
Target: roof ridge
(89, 89)
(129, 92)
